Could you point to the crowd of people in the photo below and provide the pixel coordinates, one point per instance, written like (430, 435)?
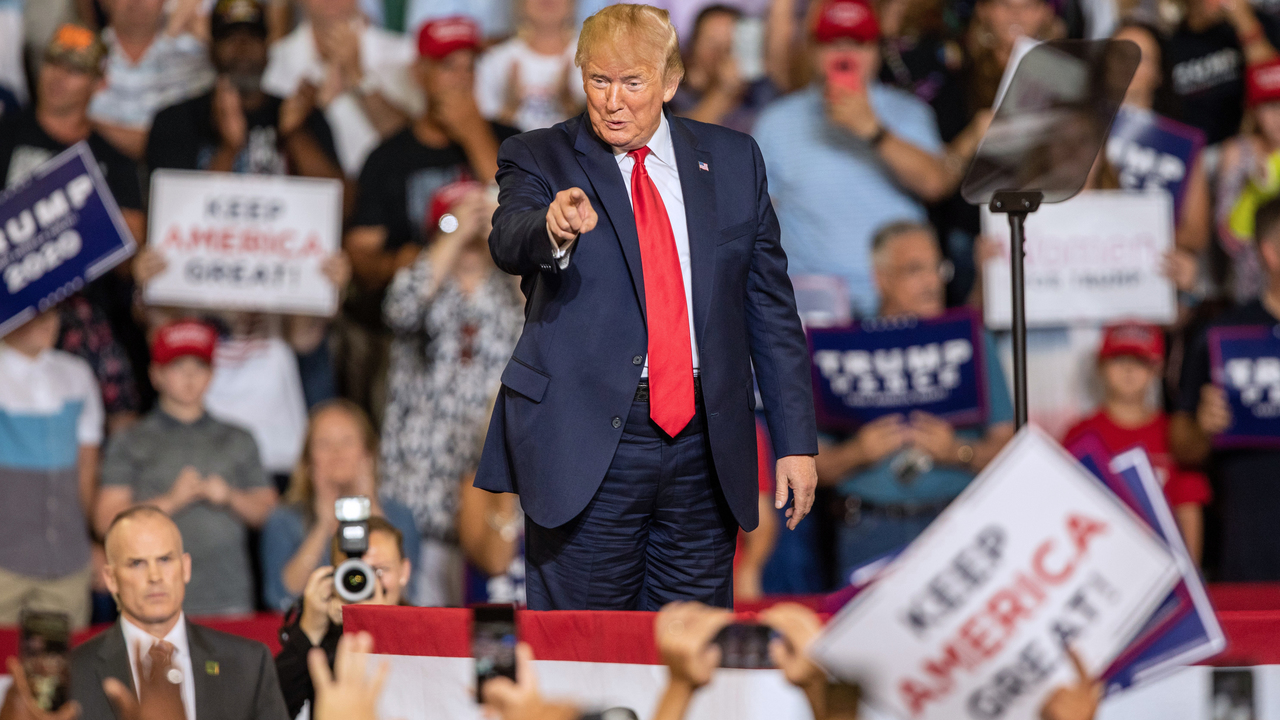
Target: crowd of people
(245, 428)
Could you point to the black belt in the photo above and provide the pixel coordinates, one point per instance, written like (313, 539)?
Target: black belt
(642, 390)
(850, 509)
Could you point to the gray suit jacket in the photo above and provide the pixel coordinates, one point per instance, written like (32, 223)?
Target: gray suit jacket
(235, 678)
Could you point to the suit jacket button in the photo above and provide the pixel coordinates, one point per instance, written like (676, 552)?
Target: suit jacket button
(617, 422)
(637, 360)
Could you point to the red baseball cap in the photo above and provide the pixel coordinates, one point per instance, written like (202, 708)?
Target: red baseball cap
(183, 338)
(1140, 340)
(1262, 82)
(440, 37)
(444, 200)
(846, 20)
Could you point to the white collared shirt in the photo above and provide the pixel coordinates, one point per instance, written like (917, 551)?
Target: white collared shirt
(661, 164)
(177, 637)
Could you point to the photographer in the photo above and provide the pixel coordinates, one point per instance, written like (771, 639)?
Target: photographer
(320, 622)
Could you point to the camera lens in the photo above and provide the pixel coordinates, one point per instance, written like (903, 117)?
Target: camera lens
(354, 581)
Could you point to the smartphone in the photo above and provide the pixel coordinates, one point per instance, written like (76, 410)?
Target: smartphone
(748, 48)
(44, 640)
(843, 73)
(745, 645)
(1233, 694)
(493, 643)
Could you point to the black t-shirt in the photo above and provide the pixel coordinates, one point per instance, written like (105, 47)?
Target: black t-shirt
(929, 69)
(183, 137)
(1248, 480)
(399, 178)
(25, 146)
(1208, 76)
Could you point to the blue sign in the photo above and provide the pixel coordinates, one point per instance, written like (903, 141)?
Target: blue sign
(58, 230)
(884, 366)
(1151, 151)
(1246, 365)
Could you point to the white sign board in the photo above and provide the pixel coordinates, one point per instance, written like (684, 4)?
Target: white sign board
(244, 242)
(969, 623)
(1094, 258)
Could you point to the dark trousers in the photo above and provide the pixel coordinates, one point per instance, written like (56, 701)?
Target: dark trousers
(657, 530)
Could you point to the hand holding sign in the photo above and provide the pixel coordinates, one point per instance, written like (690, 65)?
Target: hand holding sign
(1074, 702)
(934, 436)
(1213, 414)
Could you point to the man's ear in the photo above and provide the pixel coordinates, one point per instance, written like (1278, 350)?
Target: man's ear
(669, 88)
(186, 568)
(109, 579)
(406, 571)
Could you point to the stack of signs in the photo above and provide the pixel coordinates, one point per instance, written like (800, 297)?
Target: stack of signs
(244, 242)
(1246, 365)
(1152, 152)
(1184, 629)
(58, 230)
(885, 366)
(972, 619)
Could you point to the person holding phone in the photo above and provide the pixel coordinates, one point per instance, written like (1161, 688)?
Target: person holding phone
(849, 154)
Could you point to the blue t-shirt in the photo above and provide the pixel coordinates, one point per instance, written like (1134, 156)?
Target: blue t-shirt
(287, 528)
(880, 486)
(831, 190)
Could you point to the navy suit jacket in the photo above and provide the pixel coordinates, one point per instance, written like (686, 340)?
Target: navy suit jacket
(574, 372)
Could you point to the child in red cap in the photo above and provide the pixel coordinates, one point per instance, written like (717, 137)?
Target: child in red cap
(1129, 365)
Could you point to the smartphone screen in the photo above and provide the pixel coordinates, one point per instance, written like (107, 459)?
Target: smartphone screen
(44, 640)
(493, 643)
(748, 48)
(843, 73)
(745, 646)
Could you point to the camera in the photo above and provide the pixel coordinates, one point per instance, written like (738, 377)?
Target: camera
(354, 580)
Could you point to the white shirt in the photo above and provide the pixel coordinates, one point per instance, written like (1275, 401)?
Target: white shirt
(49, 384)
(177, 637)
(661, 164)
(540, 81)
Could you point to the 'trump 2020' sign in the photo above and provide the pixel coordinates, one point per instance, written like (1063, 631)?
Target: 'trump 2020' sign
(1246, 365)
(58, 231)
(884, 366)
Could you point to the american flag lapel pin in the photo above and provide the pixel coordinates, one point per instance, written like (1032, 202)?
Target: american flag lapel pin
(703, 166)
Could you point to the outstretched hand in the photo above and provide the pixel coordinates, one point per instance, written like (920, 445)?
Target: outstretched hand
(570, 215)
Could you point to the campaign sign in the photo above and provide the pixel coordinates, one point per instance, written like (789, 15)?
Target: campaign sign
(1095, 258)
(1150, 151)
(244, 242)
(895, 365)
(1246, 364)
(973, 619)
(58, 230)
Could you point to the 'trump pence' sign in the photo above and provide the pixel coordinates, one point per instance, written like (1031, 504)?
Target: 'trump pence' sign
(970, 621)
(244, 242)
(1246, 365)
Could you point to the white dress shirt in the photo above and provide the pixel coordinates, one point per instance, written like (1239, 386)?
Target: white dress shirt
(177, 637)
(661, 164)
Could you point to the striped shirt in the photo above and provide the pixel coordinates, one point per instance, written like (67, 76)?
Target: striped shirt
(49, 408)
(173, 68)
(831, 190)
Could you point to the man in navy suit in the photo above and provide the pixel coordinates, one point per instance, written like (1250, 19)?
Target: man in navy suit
(650, 259)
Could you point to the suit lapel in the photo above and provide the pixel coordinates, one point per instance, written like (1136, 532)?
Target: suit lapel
(598, 162)
(699, 188)
(113, 660)
(203, 662)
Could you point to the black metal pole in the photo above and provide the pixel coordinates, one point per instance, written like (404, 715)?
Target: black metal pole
(1017, 238)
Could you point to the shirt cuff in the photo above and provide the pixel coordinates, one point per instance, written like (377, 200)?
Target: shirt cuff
(560, 253)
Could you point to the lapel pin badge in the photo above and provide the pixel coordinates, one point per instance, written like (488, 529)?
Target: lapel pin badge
(703, 166)
(211, 667)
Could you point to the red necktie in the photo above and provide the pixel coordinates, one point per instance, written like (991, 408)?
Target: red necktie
(670, 356)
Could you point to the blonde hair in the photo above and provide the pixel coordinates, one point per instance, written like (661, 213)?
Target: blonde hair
(639, 26)
(302, 489)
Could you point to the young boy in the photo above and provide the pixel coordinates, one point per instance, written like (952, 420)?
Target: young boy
(50, 429)
(206, 474)
(1129, 365)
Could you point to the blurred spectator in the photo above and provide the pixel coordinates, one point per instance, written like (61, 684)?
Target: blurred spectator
(921, 58)
(50, 430)
(497, 19)
(86, 333)
(320, 623)
(236, 127)
(339, 459)
(148, 573)
(450, 142)
(69, 76)
(358, 70)
(530, 81)
(1208, 53)
(1248, 480)
(153, 61)
(456, 319)
(714, 90)
(1129, 366)
(13, 75)
(993, 32)
(491, 535)
(848, 155)
(895, 474)
(205, 474)
(1151, 87)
